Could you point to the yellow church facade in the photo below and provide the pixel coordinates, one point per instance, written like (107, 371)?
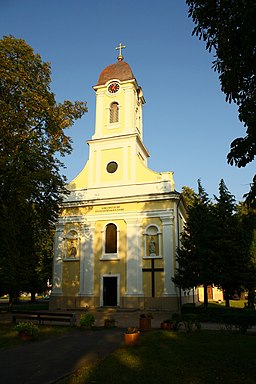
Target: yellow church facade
(117, 234)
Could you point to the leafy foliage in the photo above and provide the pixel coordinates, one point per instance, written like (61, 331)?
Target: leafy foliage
(195, 256)
(247, 221)
(188, 195)
(242, 321)
(230, 260)
(32, 134)
(27, 327)
(228, 27)
(218, 246)
(87, 320)
(131, 330)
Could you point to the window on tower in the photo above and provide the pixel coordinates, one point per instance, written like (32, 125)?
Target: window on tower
(114, 113)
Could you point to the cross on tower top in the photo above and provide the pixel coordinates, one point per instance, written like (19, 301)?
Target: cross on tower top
(120, 56)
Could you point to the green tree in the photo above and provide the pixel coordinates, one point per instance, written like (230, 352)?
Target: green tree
(188, 195)
(32, 137)
(247, 221)
(228, 245)
(195, 256)
(45, 252)
(228, 27)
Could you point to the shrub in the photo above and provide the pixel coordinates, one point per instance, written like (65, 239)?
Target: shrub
(29, 328)
(242, 322)
(190, 321)
(214, 313)
(87, 320)
(176, 321)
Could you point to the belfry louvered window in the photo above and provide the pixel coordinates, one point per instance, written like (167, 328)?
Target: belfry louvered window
(114, 113)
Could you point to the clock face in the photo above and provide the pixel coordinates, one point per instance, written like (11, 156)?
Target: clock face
(113, 87)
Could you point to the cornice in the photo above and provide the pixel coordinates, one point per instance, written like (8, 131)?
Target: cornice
(120, 200)
(126, 136)
(166, 215)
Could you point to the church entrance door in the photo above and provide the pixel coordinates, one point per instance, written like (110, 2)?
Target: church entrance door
(110, 291)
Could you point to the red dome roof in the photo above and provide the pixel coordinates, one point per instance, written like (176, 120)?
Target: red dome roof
(120, 70)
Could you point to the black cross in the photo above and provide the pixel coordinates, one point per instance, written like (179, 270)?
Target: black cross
(152, 270)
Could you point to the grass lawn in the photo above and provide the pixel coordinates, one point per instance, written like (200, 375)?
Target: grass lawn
(177, 358)
(232, 303)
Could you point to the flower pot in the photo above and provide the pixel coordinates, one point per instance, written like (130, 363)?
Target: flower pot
(24, 336)
(166, 326)
(132, 339)
(145, 324)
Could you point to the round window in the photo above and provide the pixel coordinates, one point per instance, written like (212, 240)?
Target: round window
(112, 167)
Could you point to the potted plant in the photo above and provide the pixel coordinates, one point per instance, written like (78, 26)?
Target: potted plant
(27, 330)
(166, 325)
(145, 321)
(109, 322)
(132, 337)
(87, 320)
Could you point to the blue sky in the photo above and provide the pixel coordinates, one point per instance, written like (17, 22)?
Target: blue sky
(188, 126)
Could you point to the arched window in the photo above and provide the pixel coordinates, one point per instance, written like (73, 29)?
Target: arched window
(114, 113)
(111, 238)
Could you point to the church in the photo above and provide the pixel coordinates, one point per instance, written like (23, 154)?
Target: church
(118, 229)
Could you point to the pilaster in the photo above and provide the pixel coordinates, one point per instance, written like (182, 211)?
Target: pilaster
(87, 262)
(99, 115)
(168, 255)
(134, 259)
(57, 264)
(129, 112)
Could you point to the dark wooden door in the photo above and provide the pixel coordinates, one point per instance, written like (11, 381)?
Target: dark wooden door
(110, 291)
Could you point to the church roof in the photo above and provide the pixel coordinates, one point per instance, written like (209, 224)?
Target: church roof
(120, 71)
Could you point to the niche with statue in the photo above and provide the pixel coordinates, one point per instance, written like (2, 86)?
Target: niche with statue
(72, 245)
(152, 242)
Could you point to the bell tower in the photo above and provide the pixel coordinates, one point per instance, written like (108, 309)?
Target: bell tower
(118, 136)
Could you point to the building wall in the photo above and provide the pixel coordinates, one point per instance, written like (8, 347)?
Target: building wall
(216, 294)
(133, 290)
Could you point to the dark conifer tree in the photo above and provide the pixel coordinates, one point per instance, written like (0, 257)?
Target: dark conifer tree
(247, 221)
(230, 258)
(195, 256)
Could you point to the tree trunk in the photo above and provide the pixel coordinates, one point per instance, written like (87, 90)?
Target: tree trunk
(251, 298)
(227, 298)
(13, 298)
(205, 296)
(33, 296)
